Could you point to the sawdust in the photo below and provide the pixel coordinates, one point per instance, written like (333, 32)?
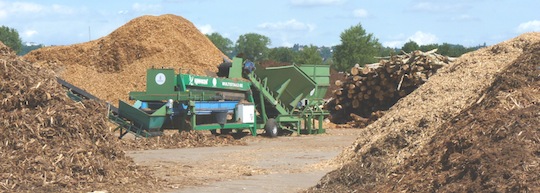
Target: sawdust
(49, 143)
(414, 122)
(174, 139)
(112, 66)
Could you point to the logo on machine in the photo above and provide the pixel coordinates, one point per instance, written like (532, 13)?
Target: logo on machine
(160, 78)
(214, 82)
(197, 81)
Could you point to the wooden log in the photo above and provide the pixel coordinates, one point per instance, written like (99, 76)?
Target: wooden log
(366, 96)
(355, 70)
(338, 92)
(358, 84)
(373, 86)
(338, 83)
(358, 118)
(360, 96)
(380, 95)
(355, 104)
(400, 82)
(365, 71)
(363, 88)
(405, 67)
(358, 78)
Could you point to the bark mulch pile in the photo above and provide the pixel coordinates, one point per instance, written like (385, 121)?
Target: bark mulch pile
(472, 128)
(49, 143)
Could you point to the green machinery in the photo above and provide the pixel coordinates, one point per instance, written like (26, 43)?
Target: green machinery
(246, 96)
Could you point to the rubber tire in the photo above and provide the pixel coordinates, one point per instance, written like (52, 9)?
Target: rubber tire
(271, 128)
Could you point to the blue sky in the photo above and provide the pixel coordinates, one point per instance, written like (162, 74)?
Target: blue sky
(285, 22)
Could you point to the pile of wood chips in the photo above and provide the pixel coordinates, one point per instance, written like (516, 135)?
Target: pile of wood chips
(473, 127)
(112, 66)
(369, 90)
(49, 143)
(184, 139)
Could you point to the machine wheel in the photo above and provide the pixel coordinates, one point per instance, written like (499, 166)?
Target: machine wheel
(271, 128)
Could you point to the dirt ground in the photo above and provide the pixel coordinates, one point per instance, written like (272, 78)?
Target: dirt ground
(283, 164)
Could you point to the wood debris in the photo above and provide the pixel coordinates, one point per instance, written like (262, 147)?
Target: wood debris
(49, 143)
(368, 90)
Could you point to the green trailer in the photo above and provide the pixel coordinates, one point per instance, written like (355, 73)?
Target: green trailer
(247, 96)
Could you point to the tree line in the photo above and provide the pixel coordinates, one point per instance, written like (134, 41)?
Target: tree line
(357, 47)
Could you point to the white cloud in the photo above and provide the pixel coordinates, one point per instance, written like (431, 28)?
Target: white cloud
(145, 7)
(288, 25)
(393, 44)
(316, 2)
(530, 26)
(30, 33)
(206, 29)
(421, 38)
(360, 13)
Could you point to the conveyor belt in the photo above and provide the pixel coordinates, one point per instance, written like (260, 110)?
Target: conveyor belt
(83, 93)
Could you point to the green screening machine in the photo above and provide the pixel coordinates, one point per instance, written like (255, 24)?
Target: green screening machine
(243, 96)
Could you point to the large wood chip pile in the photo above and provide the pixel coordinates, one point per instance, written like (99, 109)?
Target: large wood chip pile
(112, 66)
(49, 143)
(448, 135)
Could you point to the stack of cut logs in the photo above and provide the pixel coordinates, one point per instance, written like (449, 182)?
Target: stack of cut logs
(376, 87)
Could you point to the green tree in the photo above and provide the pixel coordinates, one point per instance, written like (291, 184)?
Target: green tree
(356, 47)
(444, 49)
(387, 51)
(10, 37)
(253, 46)
(28, 48)
(410, 46)
(326, 52)
(297, 47)
(224, 44)
(281, 54)
(428, 47)
(453, 50)
(308, 55)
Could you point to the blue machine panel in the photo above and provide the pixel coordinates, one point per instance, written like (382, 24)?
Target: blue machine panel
(207, 107)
